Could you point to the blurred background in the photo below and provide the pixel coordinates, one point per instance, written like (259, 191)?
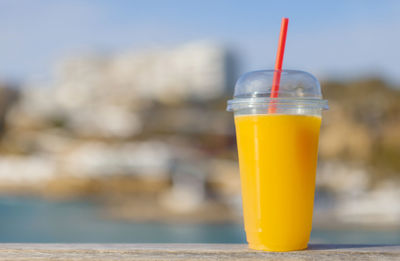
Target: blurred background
(113, 124)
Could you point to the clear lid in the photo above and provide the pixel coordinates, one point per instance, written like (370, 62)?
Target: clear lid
(296, 88)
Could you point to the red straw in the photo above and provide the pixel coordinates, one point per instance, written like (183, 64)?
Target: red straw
(279, 61)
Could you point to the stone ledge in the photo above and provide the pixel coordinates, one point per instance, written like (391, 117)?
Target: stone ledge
(191, 252)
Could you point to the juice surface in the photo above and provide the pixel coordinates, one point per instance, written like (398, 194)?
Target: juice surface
(278, 159)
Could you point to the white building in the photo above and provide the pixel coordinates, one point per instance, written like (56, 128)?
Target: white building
(103, 95)
(195, 71)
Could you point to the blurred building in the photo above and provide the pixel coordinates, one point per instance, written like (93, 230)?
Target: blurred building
(129, 123)
(102, 95)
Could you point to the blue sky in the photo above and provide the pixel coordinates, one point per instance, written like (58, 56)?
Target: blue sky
(328, 38)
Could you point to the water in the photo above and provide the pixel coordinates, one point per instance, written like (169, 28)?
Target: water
(41, 221)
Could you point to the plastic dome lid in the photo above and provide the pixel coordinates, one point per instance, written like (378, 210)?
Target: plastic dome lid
(296, 88)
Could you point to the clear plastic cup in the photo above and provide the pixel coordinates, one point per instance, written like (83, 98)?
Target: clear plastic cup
(277, 141)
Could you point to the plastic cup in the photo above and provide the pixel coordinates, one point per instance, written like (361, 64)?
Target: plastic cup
(277, 156)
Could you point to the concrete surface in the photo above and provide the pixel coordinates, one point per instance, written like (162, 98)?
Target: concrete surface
(191, 252)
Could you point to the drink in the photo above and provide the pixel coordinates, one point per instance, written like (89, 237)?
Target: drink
(277, 158)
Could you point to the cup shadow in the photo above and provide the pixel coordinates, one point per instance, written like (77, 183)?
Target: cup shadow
(342, 246)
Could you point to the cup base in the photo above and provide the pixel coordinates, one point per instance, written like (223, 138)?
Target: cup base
(277, 248)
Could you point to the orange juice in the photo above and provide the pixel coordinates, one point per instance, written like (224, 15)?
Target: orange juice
(277, 159)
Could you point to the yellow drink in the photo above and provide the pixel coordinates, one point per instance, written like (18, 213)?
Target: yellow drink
(278, 159)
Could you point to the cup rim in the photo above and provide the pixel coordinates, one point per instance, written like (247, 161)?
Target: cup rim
(287, 102)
